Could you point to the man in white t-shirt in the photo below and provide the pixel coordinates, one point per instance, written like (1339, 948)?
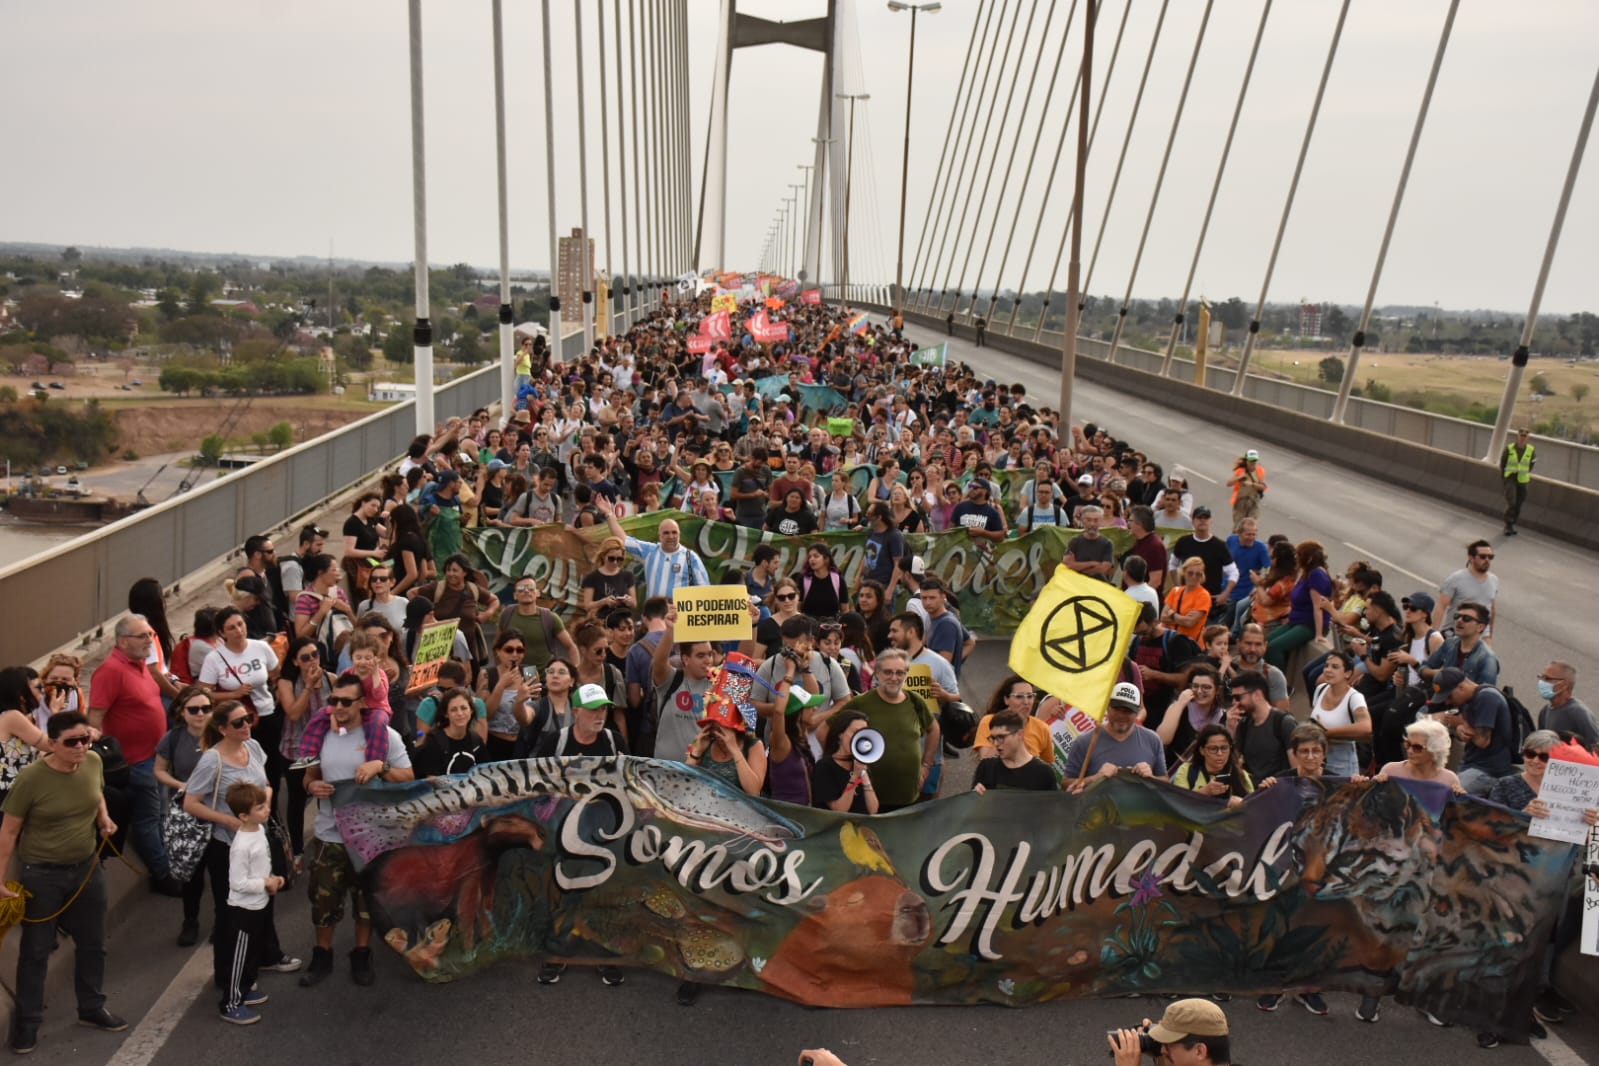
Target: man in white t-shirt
(333, 876)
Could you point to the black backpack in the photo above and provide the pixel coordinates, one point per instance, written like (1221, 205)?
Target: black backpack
(1521, 723)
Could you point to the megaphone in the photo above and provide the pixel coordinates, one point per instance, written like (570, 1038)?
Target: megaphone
(867, 746)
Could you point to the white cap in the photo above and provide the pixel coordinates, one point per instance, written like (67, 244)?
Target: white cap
(1125, 695)
(918, 566)
(591, 696)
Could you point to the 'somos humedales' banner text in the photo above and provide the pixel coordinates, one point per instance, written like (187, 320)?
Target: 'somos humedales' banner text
(1013, 898)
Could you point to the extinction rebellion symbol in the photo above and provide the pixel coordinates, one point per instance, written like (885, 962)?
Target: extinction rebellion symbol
(1079, 635)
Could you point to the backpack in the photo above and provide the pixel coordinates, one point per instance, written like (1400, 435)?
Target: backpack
(332, 635)
(179, 666)
(1031, 508)
(838, 588)
(1521, 723)
(566, 731)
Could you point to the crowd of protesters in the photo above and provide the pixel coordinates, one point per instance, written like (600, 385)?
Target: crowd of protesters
(294, 685)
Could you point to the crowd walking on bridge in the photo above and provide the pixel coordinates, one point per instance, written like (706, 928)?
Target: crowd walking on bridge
(220, 754)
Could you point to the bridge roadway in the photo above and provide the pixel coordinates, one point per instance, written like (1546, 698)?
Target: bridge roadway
(502, 1016)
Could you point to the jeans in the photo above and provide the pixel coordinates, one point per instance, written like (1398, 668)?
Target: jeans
(51, 886)
(267, 949)
(144, 818)
(1239, 616)
(1476, 781)
(1285, 642)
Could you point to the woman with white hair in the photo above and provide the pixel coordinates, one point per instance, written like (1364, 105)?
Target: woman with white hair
(1426, 751)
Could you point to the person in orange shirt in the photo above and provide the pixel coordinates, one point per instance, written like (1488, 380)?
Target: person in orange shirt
(1249, 485)
(1188, 604)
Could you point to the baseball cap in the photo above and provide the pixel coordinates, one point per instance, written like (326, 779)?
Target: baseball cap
(1186, 1018)
(498, 464)
(1085, 479)
(591, 696)
(1125, 696)
(448, 476)
(918, 566)
(1420, 601)
(1445, 683)
(1251, 454)
(251, 584)
(1201, 511)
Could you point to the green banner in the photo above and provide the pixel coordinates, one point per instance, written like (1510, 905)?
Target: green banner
(994, 584)
(1134, 886)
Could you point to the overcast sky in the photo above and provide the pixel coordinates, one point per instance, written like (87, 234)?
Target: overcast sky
(282, 128)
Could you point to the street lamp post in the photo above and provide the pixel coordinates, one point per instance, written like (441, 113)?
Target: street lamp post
(805, 227)
(794, 237)
(849, 173)
(905, 158)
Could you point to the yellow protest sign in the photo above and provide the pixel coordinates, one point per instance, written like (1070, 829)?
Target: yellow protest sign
(1074, 640)
(725, 302)
(713, 612)
(920, 681)
(433, 648)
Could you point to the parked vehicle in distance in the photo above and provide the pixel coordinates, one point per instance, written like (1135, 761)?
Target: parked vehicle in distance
(57, 385)
(61, 470)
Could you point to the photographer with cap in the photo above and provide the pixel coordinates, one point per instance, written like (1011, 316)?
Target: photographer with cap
(1191, 1031)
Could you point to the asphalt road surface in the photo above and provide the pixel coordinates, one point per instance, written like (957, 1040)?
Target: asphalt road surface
(503, 1016)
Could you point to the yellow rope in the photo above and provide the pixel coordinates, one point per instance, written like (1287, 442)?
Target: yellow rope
(13, 910)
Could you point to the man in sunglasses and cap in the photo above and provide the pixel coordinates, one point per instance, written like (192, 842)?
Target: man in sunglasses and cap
(1479, 717)
(1191, 1032)
(54, 813)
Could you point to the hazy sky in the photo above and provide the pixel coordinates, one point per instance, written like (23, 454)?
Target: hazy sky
(281, 128)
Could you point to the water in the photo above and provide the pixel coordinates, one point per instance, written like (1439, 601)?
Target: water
(22, 540)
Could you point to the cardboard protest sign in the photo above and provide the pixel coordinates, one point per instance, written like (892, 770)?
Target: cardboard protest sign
(1569, 788)
(713, 612)
(920, 681)
(432, 651)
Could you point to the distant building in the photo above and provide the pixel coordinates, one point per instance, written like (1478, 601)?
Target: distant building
(575, 270)
(393, 391)
(1309, 320)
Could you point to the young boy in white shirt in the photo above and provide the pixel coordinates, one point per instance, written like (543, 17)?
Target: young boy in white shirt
(251, 883)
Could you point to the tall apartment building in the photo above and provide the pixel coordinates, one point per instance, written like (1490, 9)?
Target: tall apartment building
(575, 272)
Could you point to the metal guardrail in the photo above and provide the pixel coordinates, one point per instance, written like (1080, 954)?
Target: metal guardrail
(1558, 460)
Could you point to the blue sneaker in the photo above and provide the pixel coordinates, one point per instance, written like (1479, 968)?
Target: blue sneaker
(255, 997)
(241, 1015)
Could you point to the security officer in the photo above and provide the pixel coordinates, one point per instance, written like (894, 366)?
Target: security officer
(1517, 471)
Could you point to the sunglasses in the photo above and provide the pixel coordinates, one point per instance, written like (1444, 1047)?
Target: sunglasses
(197, 708)
(1413, 746)
(1485, 555)
(786, 596)
(307, 659)
(82, 740)
(513, 649)
(1543, 756)
(831, 627)
(343, 701)
(616, 558)
(240, 723)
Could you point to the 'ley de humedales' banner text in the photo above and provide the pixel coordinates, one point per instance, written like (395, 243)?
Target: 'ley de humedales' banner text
(1013, 898)
(994, 584)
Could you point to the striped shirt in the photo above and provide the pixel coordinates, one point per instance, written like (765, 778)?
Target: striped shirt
(665, 573)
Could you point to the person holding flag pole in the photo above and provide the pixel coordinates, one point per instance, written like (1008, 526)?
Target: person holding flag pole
(1073, 644)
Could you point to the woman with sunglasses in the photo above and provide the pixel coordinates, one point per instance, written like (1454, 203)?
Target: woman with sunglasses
(228, 755)
(175, 758)
(594, 667)
(303, 689)
(242, 669)
(1426, 752)
(508, 693)
(610, 584)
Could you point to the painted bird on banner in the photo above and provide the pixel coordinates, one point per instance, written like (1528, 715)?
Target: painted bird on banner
(1074, 640)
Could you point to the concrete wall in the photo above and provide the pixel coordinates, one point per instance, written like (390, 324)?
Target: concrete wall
(1427, 453)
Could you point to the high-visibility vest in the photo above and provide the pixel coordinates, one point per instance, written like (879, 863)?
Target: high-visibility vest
(1520, 466)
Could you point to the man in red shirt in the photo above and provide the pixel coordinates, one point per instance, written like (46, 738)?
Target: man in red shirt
(125, 703)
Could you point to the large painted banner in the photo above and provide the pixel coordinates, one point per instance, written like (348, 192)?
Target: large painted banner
(993, 583)
(1011, 898)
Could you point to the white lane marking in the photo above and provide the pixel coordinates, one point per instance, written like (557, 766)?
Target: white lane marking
(1195, 473)
(156, 1027)
(1427, 582)
(1557, 1051)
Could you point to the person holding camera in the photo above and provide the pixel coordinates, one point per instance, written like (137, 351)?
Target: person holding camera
(1191, 1031)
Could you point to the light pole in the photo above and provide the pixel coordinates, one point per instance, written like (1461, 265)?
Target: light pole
(794, 237)
(805, 227)
(813, 212)
(849, 169)
(905, 158)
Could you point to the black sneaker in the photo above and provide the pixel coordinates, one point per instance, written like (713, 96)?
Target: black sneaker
(104, 1020)
(167, 886)
(1370, 1009)
(550, 973)
(610, 975)
(1537, 1031)
(361, 971)
(1222, 997)
(24, 1038)
(1270, 1002)
(1552, 1007)
(321, 966)
(688, 993)
(1433, 1019)
(1312, 1002)
(1487, 1040)
(189, 935)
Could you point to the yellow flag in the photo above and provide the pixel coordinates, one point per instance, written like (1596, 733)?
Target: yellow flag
(1074, 640)
(1202, 343)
